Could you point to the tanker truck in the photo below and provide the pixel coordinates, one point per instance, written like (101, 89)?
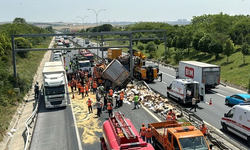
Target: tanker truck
(119, 133)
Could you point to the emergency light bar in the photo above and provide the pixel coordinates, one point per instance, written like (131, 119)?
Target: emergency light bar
(130, 145)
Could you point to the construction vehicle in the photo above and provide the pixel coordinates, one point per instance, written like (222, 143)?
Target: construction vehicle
(140, 70)
(113, 53)
(173, 135)
(97, 73)
(80, 62)
(119, 133)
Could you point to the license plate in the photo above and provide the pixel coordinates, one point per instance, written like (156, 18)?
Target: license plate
(56, 105)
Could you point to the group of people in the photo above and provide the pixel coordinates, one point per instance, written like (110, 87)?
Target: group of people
(171, 115)
(146, 133)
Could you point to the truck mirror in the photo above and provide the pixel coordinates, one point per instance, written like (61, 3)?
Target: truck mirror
(225, 115)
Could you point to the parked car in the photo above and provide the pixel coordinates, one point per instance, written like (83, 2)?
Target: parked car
(237, 99)
(57, 59)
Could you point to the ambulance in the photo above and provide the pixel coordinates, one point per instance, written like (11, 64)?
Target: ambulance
(237, 121)
(183, 90)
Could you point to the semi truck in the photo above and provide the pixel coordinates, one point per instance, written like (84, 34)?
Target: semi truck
(113, 53)
(183, 90)
(208, 75)
(171, 135)
(119, 133)
(117, 74)
(54, 87)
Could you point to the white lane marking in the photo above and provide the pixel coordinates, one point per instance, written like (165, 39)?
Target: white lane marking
(156, 118)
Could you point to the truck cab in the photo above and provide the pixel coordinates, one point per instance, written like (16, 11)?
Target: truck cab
(85, 65)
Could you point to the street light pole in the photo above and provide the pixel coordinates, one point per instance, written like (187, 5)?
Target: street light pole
(96, 13)
(75, 24)
(82, 20)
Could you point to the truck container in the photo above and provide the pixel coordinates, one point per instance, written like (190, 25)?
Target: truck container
(171, 135)
(119, 133)
(207, 75)
(113, 53)
(117, 74)
(54, 86)
(183, 90)
(53, 64)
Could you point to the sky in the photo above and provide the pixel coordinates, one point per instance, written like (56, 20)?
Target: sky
(117, 10)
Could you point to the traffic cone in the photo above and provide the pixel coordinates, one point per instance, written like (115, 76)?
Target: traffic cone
(210, 102)
(73, 96)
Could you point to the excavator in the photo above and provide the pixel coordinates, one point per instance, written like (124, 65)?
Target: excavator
(141, 71)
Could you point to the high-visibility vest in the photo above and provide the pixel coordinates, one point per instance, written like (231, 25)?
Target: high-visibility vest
(110, 92)
(89, 102)
(74, 81)
(94, 85)
(169, 117)
(148, 133)
(71, 84)
(170, 113)
(109, 106)
(143, 131)
(121, 96)
(82, 89)
(101, 104)
(86, 88)
(203, 129)
(136, 98)
(173, 117)
(79, 85)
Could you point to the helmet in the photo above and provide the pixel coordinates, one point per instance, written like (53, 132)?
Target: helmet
(143, 124)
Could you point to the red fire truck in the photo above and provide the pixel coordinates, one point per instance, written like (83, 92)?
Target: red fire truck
(119, 133)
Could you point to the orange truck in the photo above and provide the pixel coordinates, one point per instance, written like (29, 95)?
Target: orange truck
(171, 135)
(113, 53)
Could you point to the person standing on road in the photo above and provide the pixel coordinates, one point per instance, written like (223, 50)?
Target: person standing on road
(86, 90)
(110, 92)
(121, 98)
(89, 103)
(117, 97)
(194, 104)
(110, 108)
(105, 101)
(36, 89)
(70, 64)
(136, 100)
(82, 91)
(99, 108)
(148, 134)
(66, 68)
(94, 86)
(204, 129)
(101, 88)
(143, 131)
(72, 85)
(79, 87)
(97, 96)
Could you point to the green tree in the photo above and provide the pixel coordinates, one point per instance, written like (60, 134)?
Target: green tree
(228, 48)
(204, 43)
(197, 36)
(22, 43)
(151, 47)
(140, 46)
(19, 21)
(178, 55)
(216, 48)
(245, 51)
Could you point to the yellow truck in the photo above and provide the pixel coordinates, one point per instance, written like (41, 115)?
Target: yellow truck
(171, 135)
(113, 53)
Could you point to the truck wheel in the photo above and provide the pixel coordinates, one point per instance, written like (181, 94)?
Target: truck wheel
(248, 141)
(224, 127)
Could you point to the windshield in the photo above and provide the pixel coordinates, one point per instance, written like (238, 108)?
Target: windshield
(90, 57)
(54, 90)
(84, 64)
(197, 143)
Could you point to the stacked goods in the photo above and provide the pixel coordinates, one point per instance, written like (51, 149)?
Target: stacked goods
(148, 99)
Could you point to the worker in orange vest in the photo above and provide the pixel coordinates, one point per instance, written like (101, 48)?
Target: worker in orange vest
(174, 116)
(204, 129)
(79, 87)
(110, 108)
(71, 85)
(110, 92)
(74, 83)
(86, 90)
(169, 118)
(143, 132)
(170, 112)
(148, 134)
(82, 91)
(89, 103)
(121, 98)
(94, 86)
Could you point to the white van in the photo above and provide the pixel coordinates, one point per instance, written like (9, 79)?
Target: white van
(237, 121)
(183, 90)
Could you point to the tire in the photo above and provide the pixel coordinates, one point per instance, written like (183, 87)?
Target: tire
(227, 102)
(224, 127)
(248, 141)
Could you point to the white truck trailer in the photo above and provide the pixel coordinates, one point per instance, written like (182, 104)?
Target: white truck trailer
(54, 86)
(53, 64)
(117, 74)
(207, 75)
